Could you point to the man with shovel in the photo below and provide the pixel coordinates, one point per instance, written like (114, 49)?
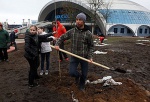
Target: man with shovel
(81, 45)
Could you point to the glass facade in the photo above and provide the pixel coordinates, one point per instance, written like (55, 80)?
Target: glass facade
(63, 16)
(126, 16)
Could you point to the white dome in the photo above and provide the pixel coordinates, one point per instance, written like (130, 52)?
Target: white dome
(126, 5)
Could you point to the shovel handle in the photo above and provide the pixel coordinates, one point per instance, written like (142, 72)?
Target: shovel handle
(103, 66)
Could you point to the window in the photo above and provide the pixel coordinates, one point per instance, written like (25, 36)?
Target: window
(140, 30)
(122, 30)
(115, 30)
(128, 31)
(145, 31)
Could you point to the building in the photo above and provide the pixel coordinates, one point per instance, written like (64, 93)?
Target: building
(126, 18)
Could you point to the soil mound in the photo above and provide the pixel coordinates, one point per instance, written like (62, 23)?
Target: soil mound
(58, 86)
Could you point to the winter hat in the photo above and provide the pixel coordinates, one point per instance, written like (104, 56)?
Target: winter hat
(16, 30)
(81, 16)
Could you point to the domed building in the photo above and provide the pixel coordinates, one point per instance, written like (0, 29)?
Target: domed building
(125, 18)
(128, 19)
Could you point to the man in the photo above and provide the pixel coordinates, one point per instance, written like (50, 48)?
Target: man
(12, 38)
(82, 45)
(59, 30)
(4, 40)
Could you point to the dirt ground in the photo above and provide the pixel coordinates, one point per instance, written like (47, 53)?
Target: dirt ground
(129, 54)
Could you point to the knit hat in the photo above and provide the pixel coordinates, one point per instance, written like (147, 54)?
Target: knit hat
(81, 16)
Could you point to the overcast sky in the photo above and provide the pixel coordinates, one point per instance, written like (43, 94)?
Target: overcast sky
(14, 11)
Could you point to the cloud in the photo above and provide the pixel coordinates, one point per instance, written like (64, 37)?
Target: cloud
(16, 10)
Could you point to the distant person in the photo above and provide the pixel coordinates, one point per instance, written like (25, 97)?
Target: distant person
(101, 38)
(81, 45)
(45, 52)
(13, 36)
(59, 30)
(4, 40)
(32, 47)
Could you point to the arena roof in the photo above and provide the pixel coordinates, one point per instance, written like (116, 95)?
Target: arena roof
(127, 12)
(123, 12)
(126, 5)
(128, 16)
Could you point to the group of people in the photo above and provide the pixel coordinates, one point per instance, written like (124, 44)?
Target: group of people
(37, 42)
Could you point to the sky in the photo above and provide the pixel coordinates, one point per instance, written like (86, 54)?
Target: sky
(14, 11)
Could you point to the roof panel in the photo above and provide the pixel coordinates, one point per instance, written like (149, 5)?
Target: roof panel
(128, 16)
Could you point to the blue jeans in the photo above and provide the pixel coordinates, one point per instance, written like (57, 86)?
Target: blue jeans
(47, 55)
(74, 62)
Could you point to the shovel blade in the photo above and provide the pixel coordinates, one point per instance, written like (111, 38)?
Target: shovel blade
(119, 70)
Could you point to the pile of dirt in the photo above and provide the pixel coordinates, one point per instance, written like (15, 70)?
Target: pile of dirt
(129, 91)
(58, 86)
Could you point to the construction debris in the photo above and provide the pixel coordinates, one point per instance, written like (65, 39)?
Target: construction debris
(73, 98)
(100, 52)
(106, 80)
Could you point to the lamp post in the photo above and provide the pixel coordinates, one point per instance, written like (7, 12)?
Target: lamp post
(7, 20)
(23, 22)
(28, 22)
(6, 24)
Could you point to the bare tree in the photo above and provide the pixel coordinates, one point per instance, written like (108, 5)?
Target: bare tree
(70, 10)
(106, 12)
(94, 6)
(100, 6)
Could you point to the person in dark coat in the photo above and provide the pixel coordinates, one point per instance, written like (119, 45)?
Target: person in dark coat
(12, 39)
(4, 40)
(32, 50)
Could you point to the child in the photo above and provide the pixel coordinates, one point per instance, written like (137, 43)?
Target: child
(45, 52)
(12, 38)
(32, 42)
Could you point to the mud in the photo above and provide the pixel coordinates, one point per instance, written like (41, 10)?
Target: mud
(122, 53)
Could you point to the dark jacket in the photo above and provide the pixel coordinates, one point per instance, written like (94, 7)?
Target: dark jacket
(32, 44)
(12, 37)
(4, 38)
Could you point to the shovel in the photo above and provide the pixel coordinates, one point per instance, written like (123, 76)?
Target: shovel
(103, 66)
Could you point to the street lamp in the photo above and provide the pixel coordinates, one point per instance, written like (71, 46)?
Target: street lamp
(28, 22)
(23, 22)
